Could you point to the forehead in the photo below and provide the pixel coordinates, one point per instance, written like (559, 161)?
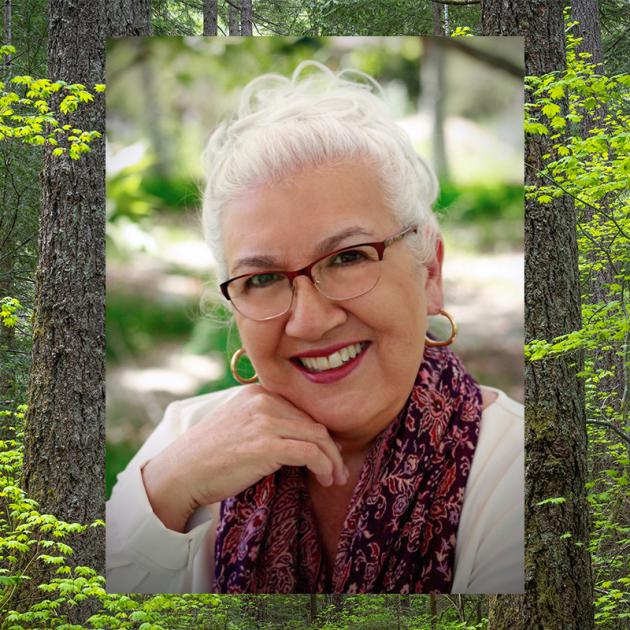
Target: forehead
(288, 221)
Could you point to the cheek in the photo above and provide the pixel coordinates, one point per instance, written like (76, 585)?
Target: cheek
(261, 346)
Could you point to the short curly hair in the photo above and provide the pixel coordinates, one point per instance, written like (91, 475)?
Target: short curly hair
(316, 118)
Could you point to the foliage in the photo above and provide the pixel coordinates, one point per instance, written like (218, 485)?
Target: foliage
(462, 31)
(594, 169)
(586, 115)
(30, 540)
(9, 311)
(26, 115)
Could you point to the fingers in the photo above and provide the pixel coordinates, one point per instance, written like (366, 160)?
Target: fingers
(299, 453)
(307, 430)
(276, 417)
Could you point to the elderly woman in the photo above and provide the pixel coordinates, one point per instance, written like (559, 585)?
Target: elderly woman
(363, 457)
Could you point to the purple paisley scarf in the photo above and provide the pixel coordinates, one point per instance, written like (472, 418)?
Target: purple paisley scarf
(400, 529)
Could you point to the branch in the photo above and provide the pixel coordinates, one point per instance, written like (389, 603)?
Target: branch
(496, 61)
(609, 425)
(586, 203)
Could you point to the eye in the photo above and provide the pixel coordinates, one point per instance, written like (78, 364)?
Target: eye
(349, 257)
(263, 280)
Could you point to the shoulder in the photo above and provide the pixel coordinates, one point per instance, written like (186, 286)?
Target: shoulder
(490, 539)
(502, 425)
(500, 448)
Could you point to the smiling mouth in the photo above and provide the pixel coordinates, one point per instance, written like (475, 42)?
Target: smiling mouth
(332, 361)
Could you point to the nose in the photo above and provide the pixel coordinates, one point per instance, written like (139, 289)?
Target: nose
(312, 314)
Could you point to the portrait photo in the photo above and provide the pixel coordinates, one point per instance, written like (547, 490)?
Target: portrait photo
(315, 315)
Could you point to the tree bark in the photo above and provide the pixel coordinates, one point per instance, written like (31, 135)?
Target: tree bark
(64, 437)
(438, 28)
(8, 37)
(586, 12)
(233, 17)
(433, 79)
(246, 17)
(128, 17)
(210, 17)
(558, 578)
(612, 386)
(312, 613)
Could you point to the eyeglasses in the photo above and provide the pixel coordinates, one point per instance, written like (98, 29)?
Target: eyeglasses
(340, 275)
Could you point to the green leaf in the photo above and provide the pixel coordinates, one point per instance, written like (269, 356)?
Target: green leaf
(552, 501)
(550, 110)
(558, 122)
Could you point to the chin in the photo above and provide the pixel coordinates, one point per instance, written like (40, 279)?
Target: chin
(342, 413)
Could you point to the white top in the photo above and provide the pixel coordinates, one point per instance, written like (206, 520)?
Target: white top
(143, 556)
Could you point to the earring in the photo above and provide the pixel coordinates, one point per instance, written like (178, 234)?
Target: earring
(233, 365)
(432, 343)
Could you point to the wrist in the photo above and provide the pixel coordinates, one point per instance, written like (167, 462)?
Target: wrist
(169, 502)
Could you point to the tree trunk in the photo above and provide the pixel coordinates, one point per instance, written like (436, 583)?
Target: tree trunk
(233, 17)
(608, 404)
(246, 17)
(210, 17)
(586, 12)
(8, 37)
(558, 578)
(312, 613)
(20, 196)
(438, 28)
(433, 88)
(128, 17)
(7, 334)
(433, 611)
(64, 437)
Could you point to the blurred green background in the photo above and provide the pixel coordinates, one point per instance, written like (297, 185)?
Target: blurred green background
(165, 96)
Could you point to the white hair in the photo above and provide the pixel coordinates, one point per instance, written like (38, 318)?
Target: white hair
(315, 119)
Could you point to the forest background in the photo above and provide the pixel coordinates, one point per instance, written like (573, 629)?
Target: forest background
(576, 324)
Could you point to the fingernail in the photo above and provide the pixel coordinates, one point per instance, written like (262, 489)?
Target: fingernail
(346, 472)
(327, 481)
(339, 447)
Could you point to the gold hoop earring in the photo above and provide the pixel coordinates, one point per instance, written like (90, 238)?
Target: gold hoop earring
(432, 343)
(233, 365)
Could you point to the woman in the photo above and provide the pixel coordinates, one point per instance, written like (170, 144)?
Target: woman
(363, 458)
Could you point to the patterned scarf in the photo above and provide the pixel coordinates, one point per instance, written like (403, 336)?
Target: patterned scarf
(400, 529)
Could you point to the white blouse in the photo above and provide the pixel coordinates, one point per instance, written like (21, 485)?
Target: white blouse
(143, 556)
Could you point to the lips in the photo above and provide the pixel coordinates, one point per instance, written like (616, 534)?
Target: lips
(326, 365)
(332, 360)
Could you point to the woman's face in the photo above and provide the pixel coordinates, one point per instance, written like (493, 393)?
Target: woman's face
(287, 223)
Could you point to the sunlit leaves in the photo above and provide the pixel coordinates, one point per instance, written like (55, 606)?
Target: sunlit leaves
(9, 311)
(26, 113)
(590, 163)
(550, 110)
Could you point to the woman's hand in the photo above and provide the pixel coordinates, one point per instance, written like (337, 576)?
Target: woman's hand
(247, 438)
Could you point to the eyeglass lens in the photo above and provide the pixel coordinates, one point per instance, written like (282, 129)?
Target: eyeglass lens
(341, 276)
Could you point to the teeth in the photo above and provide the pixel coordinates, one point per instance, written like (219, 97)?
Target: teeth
(336, 359)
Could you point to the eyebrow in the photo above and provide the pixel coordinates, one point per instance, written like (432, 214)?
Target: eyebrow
(327, 245)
